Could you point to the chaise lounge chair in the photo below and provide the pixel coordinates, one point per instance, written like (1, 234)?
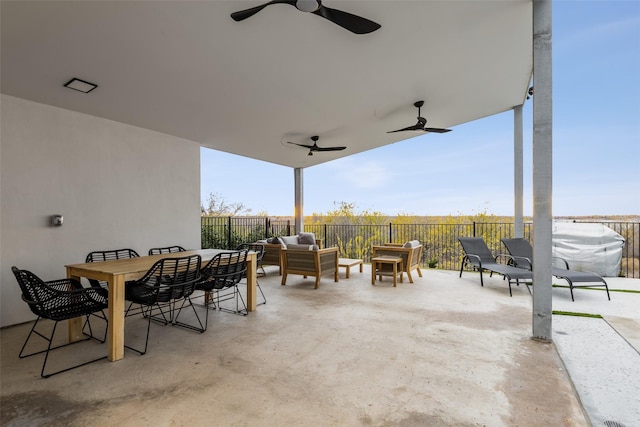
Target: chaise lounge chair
(478, 256)
(522, 253)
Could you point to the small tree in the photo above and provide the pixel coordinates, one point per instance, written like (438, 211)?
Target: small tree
(217, 206)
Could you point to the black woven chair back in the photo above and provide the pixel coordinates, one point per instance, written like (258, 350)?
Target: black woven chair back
(98, 256)
(58, 299)
(166, 280)
(258, 248)
(166, 250)
(224, 270)
(477, 246)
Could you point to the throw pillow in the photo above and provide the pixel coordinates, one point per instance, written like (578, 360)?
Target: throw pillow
(307, 239)
(412, 244)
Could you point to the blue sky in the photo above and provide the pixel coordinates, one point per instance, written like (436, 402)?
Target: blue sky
(596, 143)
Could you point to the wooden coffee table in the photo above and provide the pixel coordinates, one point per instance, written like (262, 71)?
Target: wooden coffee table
(377, 262)
(348, 263)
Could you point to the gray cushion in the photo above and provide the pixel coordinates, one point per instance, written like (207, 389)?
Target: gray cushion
(307, 239)
(412, 244)
(302, 247)
(289, 240)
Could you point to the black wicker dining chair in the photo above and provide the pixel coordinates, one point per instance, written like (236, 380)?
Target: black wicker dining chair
(259, 249)
(59, 300)
(168, 280)
(221, 276)
(166, 250)
(108, 255)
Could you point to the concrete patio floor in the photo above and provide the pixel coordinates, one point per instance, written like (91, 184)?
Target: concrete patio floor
(440, 352)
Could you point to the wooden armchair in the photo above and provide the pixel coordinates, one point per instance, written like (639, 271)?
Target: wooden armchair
(273, 254)
(316, 263)
(410, 252)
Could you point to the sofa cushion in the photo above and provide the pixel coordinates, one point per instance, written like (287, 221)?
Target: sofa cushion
(412, 244)
(307, 238)
(289, 240)
(273, 239)
(303, 247)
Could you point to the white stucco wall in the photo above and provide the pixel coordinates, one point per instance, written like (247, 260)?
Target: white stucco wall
(118, 186)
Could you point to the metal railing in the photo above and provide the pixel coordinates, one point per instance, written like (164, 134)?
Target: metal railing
(440, 241)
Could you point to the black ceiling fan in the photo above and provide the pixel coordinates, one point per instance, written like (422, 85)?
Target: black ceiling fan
(315, 147)
(355, 24)
(420, 126)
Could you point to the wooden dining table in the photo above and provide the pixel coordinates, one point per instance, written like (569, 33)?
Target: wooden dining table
(117, 272)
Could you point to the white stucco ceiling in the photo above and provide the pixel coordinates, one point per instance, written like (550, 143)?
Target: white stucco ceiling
(187, 69)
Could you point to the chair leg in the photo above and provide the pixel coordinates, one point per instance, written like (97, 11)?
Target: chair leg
(237, 296)
(570, 288)
(90, 334)
(244, 311)
(163, 320)
(175, 322)
(264, 299)
(49, 347)
(146, 342)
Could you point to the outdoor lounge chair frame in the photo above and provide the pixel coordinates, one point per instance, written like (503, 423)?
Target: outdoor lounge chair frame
(479, 257)
(411, 257)
(521, 252)
(314, 263)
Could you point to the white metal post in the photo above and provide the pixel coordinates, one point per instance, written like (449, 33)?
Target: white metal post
(518, 193)
(299, 205)
(542, 170)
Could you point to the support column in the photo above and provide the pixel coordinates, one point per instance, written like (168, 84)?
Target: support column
(542, 170)
(299, 205)
(518, 193)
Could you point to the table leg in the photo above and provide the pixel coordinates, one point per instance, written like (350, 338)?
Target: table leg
(348, 268)
(361, 265)
(395, 274)
(115, 337)
(373, 272)
(251, 281)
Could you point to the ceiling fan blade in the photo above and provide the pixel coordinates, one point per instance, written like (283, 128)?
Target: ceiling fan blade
(355, 24)
(414, 127)
(247, 13)
(301, 145)
(437, 130)
(329, 148)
